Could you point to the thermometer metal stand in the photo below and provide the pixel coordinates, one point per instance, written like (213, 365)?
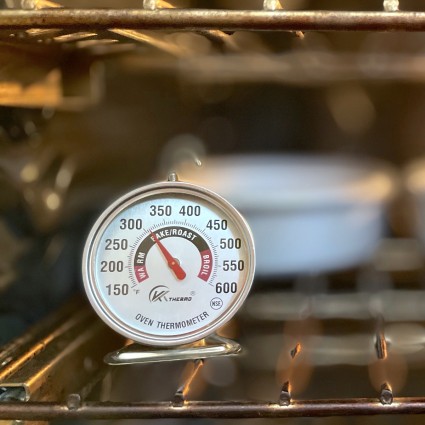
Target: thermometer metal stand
(212, 346)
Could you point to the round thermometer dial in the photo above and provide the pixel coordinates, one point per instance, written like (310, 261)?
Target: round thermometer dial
(168, 264)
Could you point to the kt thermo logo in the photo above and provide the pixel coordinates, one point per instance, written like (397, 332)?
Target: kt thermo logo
(161, 293)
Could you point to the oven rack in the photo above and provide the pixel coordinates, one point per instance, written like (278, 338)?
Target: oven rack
(52, 49)
(213, 19)
(32, 354)
(74, 409)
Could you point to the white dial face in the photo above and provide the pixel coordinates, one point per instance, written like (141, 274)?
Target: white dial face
(168, 264)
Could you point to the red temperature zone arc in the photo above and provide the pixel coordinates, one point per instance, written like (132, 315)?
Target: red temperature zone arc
(143, 249)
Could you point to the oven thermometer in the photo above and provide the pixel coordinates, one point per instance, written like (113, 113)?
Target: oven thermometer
(168, 264)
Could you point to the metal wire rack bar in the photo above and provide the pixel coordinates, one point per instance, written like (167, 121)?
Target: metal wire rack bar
(203, 19)
(208, 409)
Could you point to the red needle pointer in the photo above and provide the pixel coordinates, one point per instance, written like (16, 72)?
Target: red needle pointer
(173, 264)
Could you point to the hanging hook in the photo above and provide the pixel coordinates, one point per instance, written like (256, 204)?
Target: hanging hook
(173, 177)
(180, 149)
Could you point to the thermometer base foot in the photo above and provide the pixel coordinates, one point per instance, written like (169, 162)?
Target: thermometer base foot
(213, 346)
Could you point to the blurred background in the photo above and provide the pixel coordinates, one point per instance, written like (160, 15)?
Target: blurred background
(316, 137)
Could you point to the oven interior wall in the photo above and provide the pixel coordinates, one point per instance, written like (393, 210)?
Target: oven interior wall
(320, 94)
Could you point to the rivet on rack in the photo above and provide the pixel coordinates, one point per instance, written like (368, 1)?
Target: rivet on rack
(150, 4)
(179, 398)
(391, 5)
(285, 395)
(386, 396)
(73, 401)
(272, 5)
